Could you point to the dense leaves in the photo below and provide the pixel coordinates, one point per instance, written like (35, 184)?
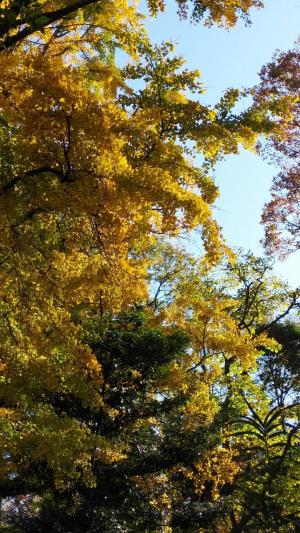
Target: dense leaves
(20, 19)
(142, 389)
(181, 438)
(281, 217)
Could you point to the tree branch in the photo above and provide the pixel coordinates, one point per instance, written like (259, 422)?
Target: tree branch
(34, 172)
(47, 18)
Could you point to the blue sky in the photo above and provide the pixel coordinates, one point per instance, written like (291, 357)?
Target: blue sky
(233, 59)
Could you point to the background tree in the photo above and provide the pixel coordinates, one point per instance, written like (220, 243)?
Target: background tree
(279, 372)
(267, 440)
(281, 217)
(259, 410)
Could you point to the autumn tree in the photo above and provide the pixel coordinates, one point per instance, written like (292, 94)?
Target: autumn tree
(228, 318)
(281, 217)
(21, 19)
(186, 435)
(156, 459)
(95, 168)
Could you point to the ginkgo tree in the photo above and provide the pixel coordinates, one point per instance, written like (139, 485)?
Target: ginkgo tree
(21, 19)
(94, 171)
(96, 167)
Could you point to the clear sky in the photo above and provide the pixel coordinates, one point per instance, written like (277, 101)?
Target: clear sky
(233, 59)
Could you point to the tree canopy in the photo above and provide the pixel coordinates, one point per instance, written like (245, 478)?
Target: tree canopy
(142, 388)
(20, 19)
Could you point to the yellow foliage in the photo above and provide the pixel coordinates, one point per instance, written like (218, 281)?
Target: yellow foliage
(217, 466)
(89, 181)
(200, 407)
